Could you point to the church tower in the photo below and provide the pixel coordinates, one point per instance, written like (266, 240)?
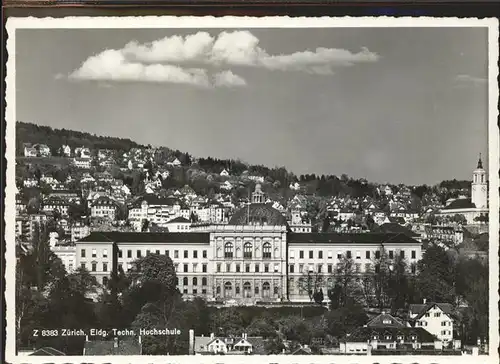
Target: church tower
(479, 186)
(258, 196)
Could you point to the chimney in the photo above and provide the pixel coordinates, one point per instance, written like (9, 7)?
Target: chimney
(191, 342)
(212, 335)
(115, 344)
(425, 301)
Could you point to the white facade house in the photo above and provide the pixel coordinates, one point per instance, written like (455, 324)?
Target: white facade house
(104, 207)
(67, 254)
(179, 224)
(436, 318)
(224, 173)
(83, 163)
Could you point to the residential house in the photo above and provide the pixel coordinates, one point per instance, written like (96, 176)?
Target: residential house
(56, 204)
(436, 318)
(30, 182)
(83, 163)
(82, 152)
(227, 186)
(30, 152)
(66, 150)
(104, 207)
(224, 173)
(175, 163)
(213, 345)
(79, 230)
(44, 150)
(179, 224)
(123, 345)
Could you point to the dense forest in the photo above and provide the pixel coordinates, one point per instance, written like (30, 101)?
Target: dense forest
(55, 138)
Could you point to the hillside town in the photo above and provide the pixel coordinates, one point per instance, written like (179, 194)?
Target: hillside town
(240, 238)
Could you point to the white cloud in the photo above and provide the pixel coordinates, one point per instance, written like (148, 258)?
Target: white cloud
(242, 48)
(161, 60)
(111, 65)
(471, 79)
(228, 79)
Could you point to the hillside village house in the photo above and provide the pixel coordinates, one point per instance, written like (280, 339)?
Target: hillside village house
(82, 152)
(56, 204)
(477, 205)
(436, 318)
(175, 163)
(179, 224)
(224, 173)
(66, 150)
(104, 207)
(83, 163)
(253, 258)
(30, 152)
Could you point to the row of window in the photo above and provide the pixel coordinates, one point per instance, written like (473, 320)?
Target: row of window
(331, 267)
(436, 314)
(247, 250)
(248, 253)
(83, 253)
(93, 266)
(194, 281)
(247, 289)
(247, 268)
(349, 255)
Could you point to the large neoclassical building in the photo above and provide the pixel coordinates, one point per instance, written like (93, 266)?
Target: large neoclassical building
(255, 257)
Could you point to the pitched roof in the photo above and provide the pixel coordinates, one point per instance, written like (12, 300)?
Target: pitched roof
(461, 203)
(385, 320)
(342, 238)
(392, 227)
(178, 219)
(421, 309)
(47, 351)
(155, 200)
(107, 347)
(131, 237)
(364, 334)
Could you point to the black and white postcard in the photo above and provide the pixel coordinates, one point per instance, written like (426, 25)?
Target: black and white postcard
(242, 189)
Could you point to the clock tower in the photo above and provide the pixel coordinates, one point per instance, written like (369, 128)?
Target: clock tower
(479, 186)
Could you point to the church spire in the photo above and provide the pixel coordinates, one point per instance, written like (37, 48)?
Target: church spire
(479, 162)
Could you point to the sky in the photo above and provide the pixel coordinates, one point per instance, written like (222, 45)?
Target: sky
(396, 105)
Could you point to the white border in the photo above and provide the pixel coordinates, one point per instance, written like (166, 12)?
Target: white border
(248, 22)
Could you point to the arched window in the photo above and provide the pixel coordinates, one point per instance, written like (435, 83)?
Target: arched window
(247, 289)
(228, 288)
(204, 281)
(195, 281)
(247, 250)
(185, 281)
(266, 251)
(104, 281)
(228, 250)
(266, 289)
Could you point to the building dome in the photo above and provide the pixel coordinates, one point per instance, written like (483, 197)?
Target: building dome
(258, 214)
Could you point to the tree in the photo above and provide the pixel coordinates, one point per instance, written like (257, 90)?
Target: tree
(342, 320)
(435, 279)
(318, 296)
(326, 224)
(344, 282)
(311, 282)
